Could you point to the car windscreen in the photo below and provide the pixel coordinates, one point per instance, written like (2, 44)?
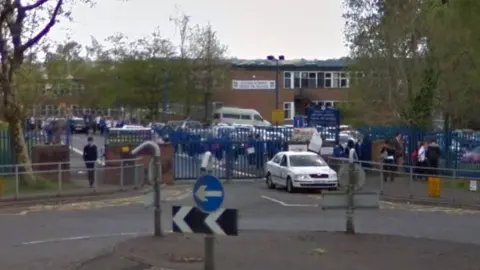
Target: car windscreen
(78, 121)
(306, 161)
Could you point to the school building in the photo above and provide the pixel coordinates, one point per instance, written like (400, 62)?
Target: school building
(301, 82)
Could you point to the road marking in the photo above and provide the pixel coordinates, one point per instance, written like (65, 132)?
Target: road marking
(83, 237)
(287, 204)
(22, 213)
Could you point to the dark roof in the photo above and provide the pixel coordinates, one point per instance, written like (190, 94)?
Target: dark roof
(337, 63)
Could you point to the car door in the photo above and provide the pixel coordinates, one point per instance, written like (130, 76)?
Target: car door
(274, 167)
(283, 171)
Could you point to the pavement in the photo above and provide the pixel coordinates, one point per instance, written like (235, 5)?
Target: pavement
(65, 236)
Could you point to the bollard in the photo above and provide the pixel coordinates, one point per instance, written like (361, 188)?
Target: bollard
(434, 186)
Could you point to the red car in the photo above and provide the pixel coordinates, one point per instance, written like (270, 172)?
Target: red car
(472, 156)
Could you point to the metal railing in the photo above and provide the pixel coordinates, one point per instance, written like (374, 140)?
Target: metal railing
(412, 183)
(66, 178)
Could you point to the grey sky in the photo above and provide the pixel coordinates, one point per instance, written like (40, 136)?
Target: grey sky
(310, 29)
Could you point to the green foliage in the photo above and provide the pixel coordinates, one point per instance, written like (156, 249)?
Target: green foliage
(418, 57)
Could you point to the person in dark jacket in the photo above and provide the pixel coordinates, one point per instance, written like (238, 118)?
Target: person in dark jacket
(433, 156)
(388, 157)
(90, 156)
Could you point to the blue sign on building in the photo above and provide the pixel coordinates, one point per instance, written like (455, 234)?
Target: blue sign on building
(324, 117)
(208, 193)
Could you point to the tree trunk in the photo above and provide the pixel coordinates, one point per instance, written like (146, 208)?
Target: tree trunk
(21, 151)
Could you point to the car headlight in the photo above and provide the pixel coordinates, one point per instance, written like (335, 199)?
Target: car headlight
(333, 176)
(302, 177)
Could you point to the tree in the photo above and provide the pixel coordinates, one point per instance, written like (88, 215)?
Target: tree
(16, 21)
(417, 57)
(212, 68)
(204, 69)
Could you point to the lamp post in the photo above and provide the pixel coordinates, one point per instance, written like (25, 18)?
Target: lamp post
(165, 96)
(277, 75)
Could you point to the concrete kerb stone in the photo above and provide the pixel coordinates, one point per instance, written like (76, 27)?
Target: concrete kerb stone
(85, 262)
(112, 251)
(428, 202)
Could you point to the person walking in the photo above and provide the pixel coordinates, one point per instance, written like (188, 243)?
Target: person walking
(90, 156)
(422, 160)
(433, 155)
(387, 154)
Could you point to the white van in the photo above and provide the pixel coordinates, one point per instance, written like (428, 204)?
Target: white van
(233, 115)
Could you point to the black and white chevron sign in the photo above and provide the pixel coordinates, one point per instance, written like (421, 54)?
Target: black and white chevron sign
(188, 219)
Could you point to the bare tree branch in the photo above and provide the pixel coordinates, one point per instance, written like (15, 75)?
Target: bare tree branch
(35, 5)
(46, 29)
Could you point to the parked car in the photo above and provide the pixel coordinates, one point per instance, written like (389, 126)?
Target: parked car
(472, 156)
(294, 170)
(78, 125)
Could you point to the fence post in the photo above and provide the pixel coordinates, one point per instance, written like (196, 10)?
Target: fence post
(381, 177)
(454, 175)
(121, 174)
(17, 181)
(410, 189)
(59, 178)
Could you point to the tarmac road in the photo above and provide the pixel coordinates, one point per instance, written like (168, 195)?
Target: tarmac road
(54, 237)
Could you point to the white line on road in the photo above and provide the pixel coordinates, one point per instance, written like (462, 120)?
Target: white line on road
(287, 204)
(83, 237)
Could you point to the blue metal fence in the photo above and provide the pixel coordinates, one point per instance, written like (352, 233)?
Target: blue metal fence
(239, 153)
(460, 149)
(32, 137)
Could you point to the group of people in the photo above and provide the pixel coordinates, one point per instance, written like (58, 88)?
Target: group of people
(425, 157)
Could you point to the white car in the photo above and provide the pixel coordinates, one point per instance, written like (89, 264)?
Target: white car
(294, 170)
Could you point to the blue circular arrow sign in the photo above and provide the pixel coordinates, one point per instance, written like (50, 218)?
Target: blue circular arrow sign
(208, 193)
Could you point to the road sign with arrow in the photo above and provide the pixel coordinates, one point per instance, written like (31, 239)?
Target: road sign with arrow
(188, 219)
(208, 193)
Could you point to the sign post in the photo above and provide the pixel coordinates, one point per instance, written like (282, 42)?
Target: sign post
(352, 198)
(207, 217)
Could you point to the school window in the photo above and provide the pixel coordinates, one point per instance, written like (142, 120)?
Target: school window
(287, 80)
(328, 80)
(296, 80)
(288, 110)
(336, 80)
(315, 80)
(320, 79)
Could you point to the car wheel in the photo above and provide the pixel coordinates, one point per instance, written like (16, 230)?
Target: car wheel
(290, 188)
(270, 184)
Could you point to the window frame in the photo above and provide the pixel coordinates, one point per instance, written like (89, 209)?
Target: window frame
(288, 80)
(290, 109)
